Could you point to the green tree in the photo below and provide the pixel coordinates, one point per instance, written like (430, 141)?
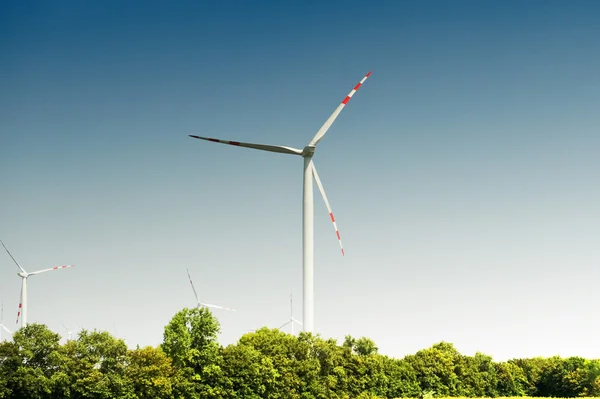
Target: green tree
(436, 369)
(572, 377)
(512, 381)
(151, 373)
(190, 340)
(7, 352)
(361, 346)
(94, 366)
(252, 374)
(592, 385)
(269, 364)
(29, 363)
(402, 379)
(281, 350)
(536, 370)
(478, 376)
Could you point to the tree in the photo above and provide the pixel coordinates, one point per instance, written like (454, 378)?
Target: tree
(281, 350)
(478, 376)
(536, 371)
(151, 373)
(572, 377)
(361, 346)
(512, 381)
(402, 379)
(94, 366)
(252, 374)
(29, 362)
(592, 383)
(269, 364)
(190, 340)
(436, 369)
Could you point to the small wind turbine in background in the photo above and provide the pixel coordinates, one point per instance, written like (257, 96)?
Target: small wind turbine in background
(2, 326)
(206, 305)
(291, 321)
(69, 332)
(24, 275)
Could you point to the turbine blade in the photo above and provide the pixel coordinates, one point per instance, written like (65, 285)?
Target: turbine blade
(20, 302)
(297, 321)
(335, 114)
(264, 147)
(286, 323)
(322, 190)
(208, 305)
(192, 283)
(51, 269)
(14, 260)
(5, 329)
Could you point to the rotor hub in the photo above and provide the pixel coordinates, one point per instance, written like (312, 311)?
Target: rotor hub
(308, 151)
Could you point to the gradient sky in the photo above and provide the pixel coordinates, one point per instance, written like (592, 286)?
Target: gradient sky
(463, 174)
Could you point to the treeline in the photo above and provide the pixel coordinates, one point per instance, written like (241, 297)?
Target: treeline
(267, 363)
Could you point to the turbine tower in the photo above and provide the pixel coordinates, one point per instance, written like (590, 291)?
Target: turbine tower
(24, 276)
(307, 205)
(206, 305)
(2, 326)
(292, 320)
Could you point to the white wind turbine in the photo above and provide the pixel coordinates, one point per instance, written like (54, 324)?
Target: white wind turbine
(292, 320)
(206, 305)
(2, 326)
(69, 332)
(24, 276)
(307, 203)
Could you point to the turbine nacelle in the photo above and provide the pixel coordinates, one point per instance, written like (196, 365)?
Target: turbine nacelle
(21, 274)
(308, 151)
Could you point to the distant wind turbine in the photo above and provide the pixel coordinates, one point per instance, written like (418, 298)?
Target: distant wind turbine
(292, 320)
(24, 275)
(2, 326)
(69, 332)
(307, 204)
(200, 304)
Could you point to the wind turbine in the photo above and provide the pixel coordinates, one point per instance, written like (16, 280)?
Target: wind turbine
(206, 305)
(2, 326)
(307, 204)
(69, 332)
(292, 320)
(24, 276)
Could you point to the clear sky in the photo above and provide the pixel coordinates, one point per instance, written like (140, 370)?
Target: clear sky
(463, 174)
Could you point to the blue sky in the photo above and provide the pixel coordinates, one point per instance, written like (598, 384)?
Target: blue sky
(463, 174)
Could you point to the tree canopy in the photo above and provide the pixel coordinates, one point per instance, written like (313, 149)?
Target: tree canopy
(268, 364)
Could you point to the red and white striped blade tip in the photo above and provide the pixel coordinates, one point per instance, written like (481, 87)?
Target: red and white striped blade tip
(323, 129)
(62, 267)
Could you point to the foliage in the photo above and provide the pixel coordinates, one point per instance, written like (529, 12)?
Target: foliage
(268, 364)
